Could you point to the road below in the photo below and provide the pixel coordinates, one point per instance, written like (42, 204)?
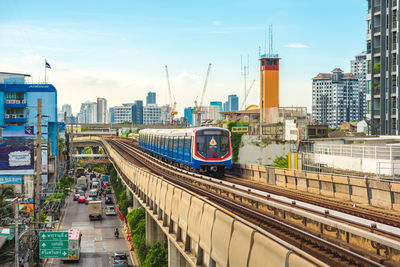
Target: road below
(98, 241)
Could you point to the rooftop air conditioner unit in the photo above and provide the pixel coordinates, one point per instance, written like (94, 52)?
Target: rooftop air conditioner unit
(6, 116)
(23, 101)
(12, 101)
(8, 101)
(17, 101)
(14, 116)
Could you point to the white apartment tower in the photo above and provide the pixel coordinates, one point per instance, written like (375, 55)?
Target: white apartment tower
(335, 98)
(358, 68)
(382, 84)
(101, 110)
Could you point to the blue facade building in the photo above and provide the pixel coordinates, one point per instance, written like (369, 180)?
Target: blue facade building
(137, 112)
(233, 102)
(217, 103)
(18, 120)
(18, 107)
(112, 115)
(151, 98)
(188, 115)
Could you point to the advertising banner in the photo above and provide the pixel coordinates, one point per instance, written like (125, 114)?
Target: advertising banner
(10, 179)
(16, 157)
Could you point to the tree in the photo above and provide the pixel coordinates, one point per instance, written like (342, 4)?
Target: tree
(281, 162)
(157, 256)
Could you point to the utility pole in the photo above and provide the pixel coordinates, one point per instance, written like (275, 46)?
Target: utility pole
(38, 170)
(16, 238)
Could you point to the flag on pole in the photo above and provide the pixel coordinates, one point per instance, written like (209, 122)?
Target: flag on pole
(47, 65)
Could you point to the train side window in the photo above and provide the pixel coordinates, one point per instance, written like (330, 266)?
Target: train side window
(187, 142)
(181, 141)
(175, 142)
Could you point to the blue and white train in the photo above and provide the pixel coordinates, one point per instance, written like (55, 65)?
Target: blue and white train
(206, 149)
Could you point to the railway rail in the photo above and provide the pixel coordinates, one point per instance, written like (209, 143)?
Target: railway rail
(324, 248)
(353, 209)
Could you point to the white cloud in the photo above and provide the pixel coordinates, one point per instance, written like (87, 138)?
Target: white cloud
(26, 51)
(217, 22)
(297, 46)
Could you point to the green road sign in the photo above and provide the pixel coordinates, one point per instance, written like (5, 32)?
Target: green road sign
(53, 245)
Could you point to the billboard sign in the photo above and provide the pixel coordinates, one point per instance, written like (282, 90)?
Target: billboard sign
(10, 179)
(18, 157)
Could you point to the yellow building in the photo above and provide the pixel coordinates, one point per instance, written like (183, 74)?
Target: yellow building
(269, 88)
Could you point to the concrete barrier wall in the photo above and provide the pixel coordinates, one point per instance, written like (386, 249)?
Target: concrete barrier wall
(364, 190)
(204, 234)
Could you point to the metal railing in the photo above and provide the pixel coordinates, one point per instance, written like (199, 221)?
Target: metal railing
(356, 151)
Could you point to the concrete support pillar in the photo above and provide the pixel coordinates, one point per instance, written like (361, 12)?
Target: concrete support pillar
(136, 203)
(175, 258)
(153, 231)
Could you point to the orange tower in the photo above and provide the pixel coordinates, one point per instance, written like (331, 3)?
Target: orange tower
(269, 88)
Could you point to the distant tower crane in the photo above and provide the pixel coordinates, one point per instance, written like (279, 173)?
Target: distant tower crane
(172, 100)
(247, 94)
(198, 110)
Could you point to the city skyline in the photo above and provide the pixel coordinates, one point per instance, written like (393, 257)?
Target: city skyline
(119, 52)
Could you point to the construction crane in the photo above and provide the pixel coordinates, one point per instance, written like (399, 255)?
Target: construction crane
(198, 110)
(172, 100)
(247, 94)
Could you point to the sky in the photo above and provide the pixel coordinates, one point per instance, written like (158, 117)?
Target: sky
(118, 49)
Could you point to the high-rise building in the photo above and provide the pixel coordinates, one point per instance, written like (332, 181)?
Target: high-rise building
(383, 67)
(335, 98)
(359, 69)
(217, 103)
(151, 114)
(151, 98)
(233, 102)
(111, 115)
(101, 110)
(226, 106)
(188, 115)
(122, 113)
(88, 112)
(137, 112)
(210, 113)
(165, 114)
(66, 108)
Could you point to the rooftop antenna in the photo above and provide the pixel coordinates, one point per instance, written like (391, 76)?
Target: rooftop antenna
(245, 73)
(271, 40)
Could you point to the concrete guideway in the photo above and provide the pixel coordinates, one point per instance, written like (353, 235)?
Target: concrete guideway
(119, 160)
(198, 232)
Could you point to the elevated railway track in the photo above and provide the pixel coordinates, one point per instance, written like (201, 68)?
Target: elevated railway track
(333, 240)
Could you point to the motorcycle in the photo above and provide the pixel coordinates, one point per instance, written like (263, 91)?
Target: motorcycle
(116, 234)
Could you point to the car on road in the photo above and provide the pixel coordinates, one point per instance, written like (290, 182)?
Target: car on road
(119, 259)
(110, 211)
(109, 200)
(76, 196)
(89, 199)
(81, 199)
(93, 193)
(108, 190)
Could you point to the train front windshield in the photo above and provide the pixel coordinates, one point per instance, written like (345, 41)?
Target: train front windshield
(212, 143)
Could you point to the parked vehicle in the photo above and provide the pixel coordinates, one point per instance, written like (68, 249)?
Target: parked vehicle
(110, 211)
(119, 259)
(76, 196)
(109, 200)
(95, 185)
(81, 199)
(95, 210)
